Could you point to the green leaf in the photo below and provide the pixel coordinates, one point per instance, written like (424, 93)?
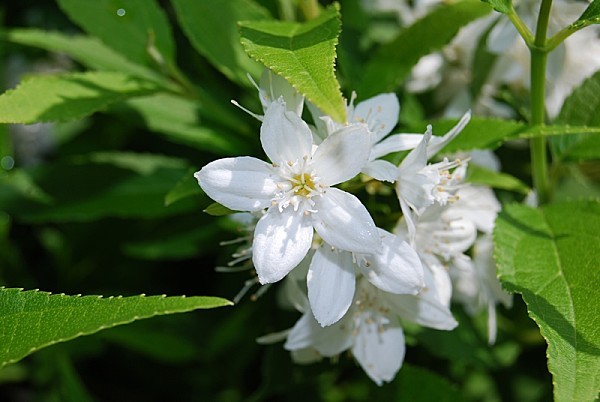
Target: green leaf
(127, 26)
(213, 32)
(392, 62)
(502, 6)
(31, 320)
(186, 187)
(419, 385)
(551, 256)
(143, 164)
(479, 175)
(88, 51)
(178, 120)
(216, 209)
(302, 53)
(68, 96)
(591, 15)
(580, 108)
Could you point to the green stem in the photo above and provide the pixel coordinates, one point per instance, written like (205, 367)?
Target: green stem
(309, 9)
(539, 162)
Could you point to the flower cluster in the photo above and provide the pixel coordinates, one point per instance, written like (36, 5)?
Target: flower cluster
(354, 282)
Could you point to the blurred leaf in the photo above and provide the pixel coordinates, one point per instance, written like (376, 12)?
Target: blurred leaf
(68, 96)
(591, 15)
(72, 388)
(31, 320)
(21, 181)
(418, 385)
(216, 209)
(87, 50)
(143, 164)
(178, 119)
(302, 53)
(392, 62)
(502, 6)
(88, 191)
(551, 256)
(186, 187)
(128, 26)
(213, 32)
(580, 108)
(480, 175)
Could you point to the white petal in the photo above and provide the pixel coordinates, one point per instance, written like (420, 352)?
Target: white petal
(331, 282)
(344, 222)
(502, 36)
(395, 143)
(423, 310)
(379, 351)
(273, 86)
(437, 143)
(281, 240)
(381, 170)
(342, 155)
(329, 341)
(284, 136)
(380, 113)
(241, 184)
(396, 269)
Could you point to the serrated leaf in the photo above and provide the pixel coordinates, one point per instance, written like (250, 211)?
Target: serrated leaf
(71, 96)
(213, 32)
(551, 256)
(580, 108)
(591, 15)
(186, 187)
(178, 119)
(479, 175)
(392, 62)
(31, 320)
(302, 53)
(127, 26)
(89, 51)
(502, 6)
(216, 209)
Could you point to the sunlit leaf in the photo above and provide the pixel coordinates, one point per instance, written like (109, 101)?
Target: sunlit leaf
(128, 26)
(479, 175)
(31, 320)
(68, 96)
(551, 256)
(302, 53)
(213, 32)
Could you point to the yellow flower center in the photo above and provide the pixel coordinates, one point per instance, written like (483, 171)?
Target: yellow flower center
(304, 185)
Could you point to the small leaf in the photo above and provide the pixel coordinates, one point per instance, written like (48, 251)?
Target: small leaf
(392, 62)
(551, 256)
(127, 26)
(591, 15)
(479, 175)
(302, 53)
(216, 209)
(31, 320)
(71, 96)
(502, 6)
(213, 32)
(580, 108)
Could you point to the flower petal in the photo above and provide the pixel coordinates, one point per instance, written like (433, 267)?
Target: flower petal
(241, 184)
(379, 350)
(381, 170)
(380, 113)
(344, 222)
(329, 341)
(437, 143)
(274, 86)
(396, 269)
(284, 136)
(331, 281)
(281, 240)
(395, 143)
(342, 155)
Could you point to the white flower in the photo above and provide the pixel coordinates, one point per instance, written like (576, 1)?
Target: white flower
(396, 268)
(296, 189)
(476, 285)
(419, 185)
(370, 329)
